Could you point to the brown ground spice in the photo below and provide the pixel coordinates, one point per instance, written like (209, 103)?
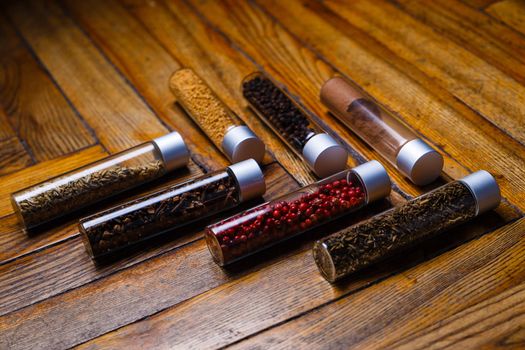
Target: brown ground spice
(201, 103)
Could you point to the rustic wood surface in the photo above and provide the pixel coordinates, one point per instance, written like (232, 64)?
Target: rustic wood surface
(83, 79)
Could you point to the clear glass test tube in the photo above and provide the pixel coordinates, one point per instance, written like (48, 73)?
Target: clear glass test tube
(290, 123)
(224, 128)
(382, 131)
(397, 229)
(89, 184)
(171, 207)
(294, 213)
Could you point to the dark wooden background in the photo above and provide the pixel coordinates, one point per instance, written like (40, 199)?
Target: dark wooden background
(83, 79)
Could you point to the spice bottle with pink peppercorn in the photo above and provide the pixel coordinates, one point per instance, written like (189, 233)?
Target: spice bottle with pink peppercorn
(297, 212)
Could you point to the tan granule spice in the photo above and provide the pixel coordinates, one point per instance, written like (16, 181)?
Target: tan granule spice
(201, 103)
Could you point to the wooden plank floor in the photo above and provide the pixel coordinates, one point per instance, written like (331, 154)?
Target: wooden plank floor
(83, 79)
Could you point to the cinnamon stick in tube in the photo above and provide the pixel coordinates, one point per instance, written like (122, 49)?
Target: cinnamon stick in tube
(382, 131)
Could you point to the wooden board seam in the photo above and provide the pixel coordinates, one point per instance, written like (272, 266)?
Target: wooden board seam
(505, 24)
(119, 72)
(193, 241)
(44, 247)
(316, 118)
(42, 66)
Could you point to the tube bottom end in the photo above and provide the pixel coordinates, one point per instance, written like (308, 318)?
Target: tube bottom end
(324, 262)
(214, 247)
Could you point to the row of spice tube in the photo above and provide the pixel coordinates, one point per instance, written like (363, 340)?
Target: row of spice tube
(340, 192)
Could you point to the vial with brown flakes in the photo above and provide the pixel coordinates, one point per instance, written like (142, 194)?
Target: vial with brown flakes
(171, 207)
(323, 155)
(222, 125)
(89, 184)
(378, 128)
(397, 229)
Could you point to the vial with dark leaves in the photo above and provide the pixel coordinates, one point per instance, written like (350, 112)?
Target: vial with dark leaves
(171, 207)
(397, 229)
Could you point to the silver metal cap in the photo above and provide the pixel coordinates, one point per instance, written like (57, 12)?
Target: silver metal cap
(375, 180)
(250, 179)
(173, 150)
(485, 190)
(324, 155)
(419, 162)
(240, 143)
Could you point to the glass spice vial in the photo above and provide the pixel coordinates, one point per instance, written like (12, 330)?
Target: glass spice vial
(91, 183)
(294, 213)
(323, 155)
(224, 128)
(171, 207)
(401, 227)
(382, 131)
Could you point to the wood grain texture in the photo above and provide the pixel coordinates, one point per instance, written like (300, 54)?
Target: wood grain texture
(15, 242)
(474, 30)
(184, 48)
(100, 94)
(6, 131)
(13, 156)
(280, 49)
(450, 69)
(480, 4)
(411, 95)
(496, 318)
(38, 112)
(9, 42)
(511, 12)
(407, 307)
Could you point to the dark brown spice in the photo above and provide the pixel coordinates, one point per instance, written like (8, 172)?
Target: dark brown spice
(172, 207)
(392, 231)
(279, 111)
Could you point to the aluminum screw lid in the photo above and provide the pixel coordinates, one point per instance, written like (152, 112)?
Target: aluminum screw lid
(419, 162)
(173, 150)
(375, 180)
(240, 143)
(485, 190)
(324, 155)
(250, 179)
